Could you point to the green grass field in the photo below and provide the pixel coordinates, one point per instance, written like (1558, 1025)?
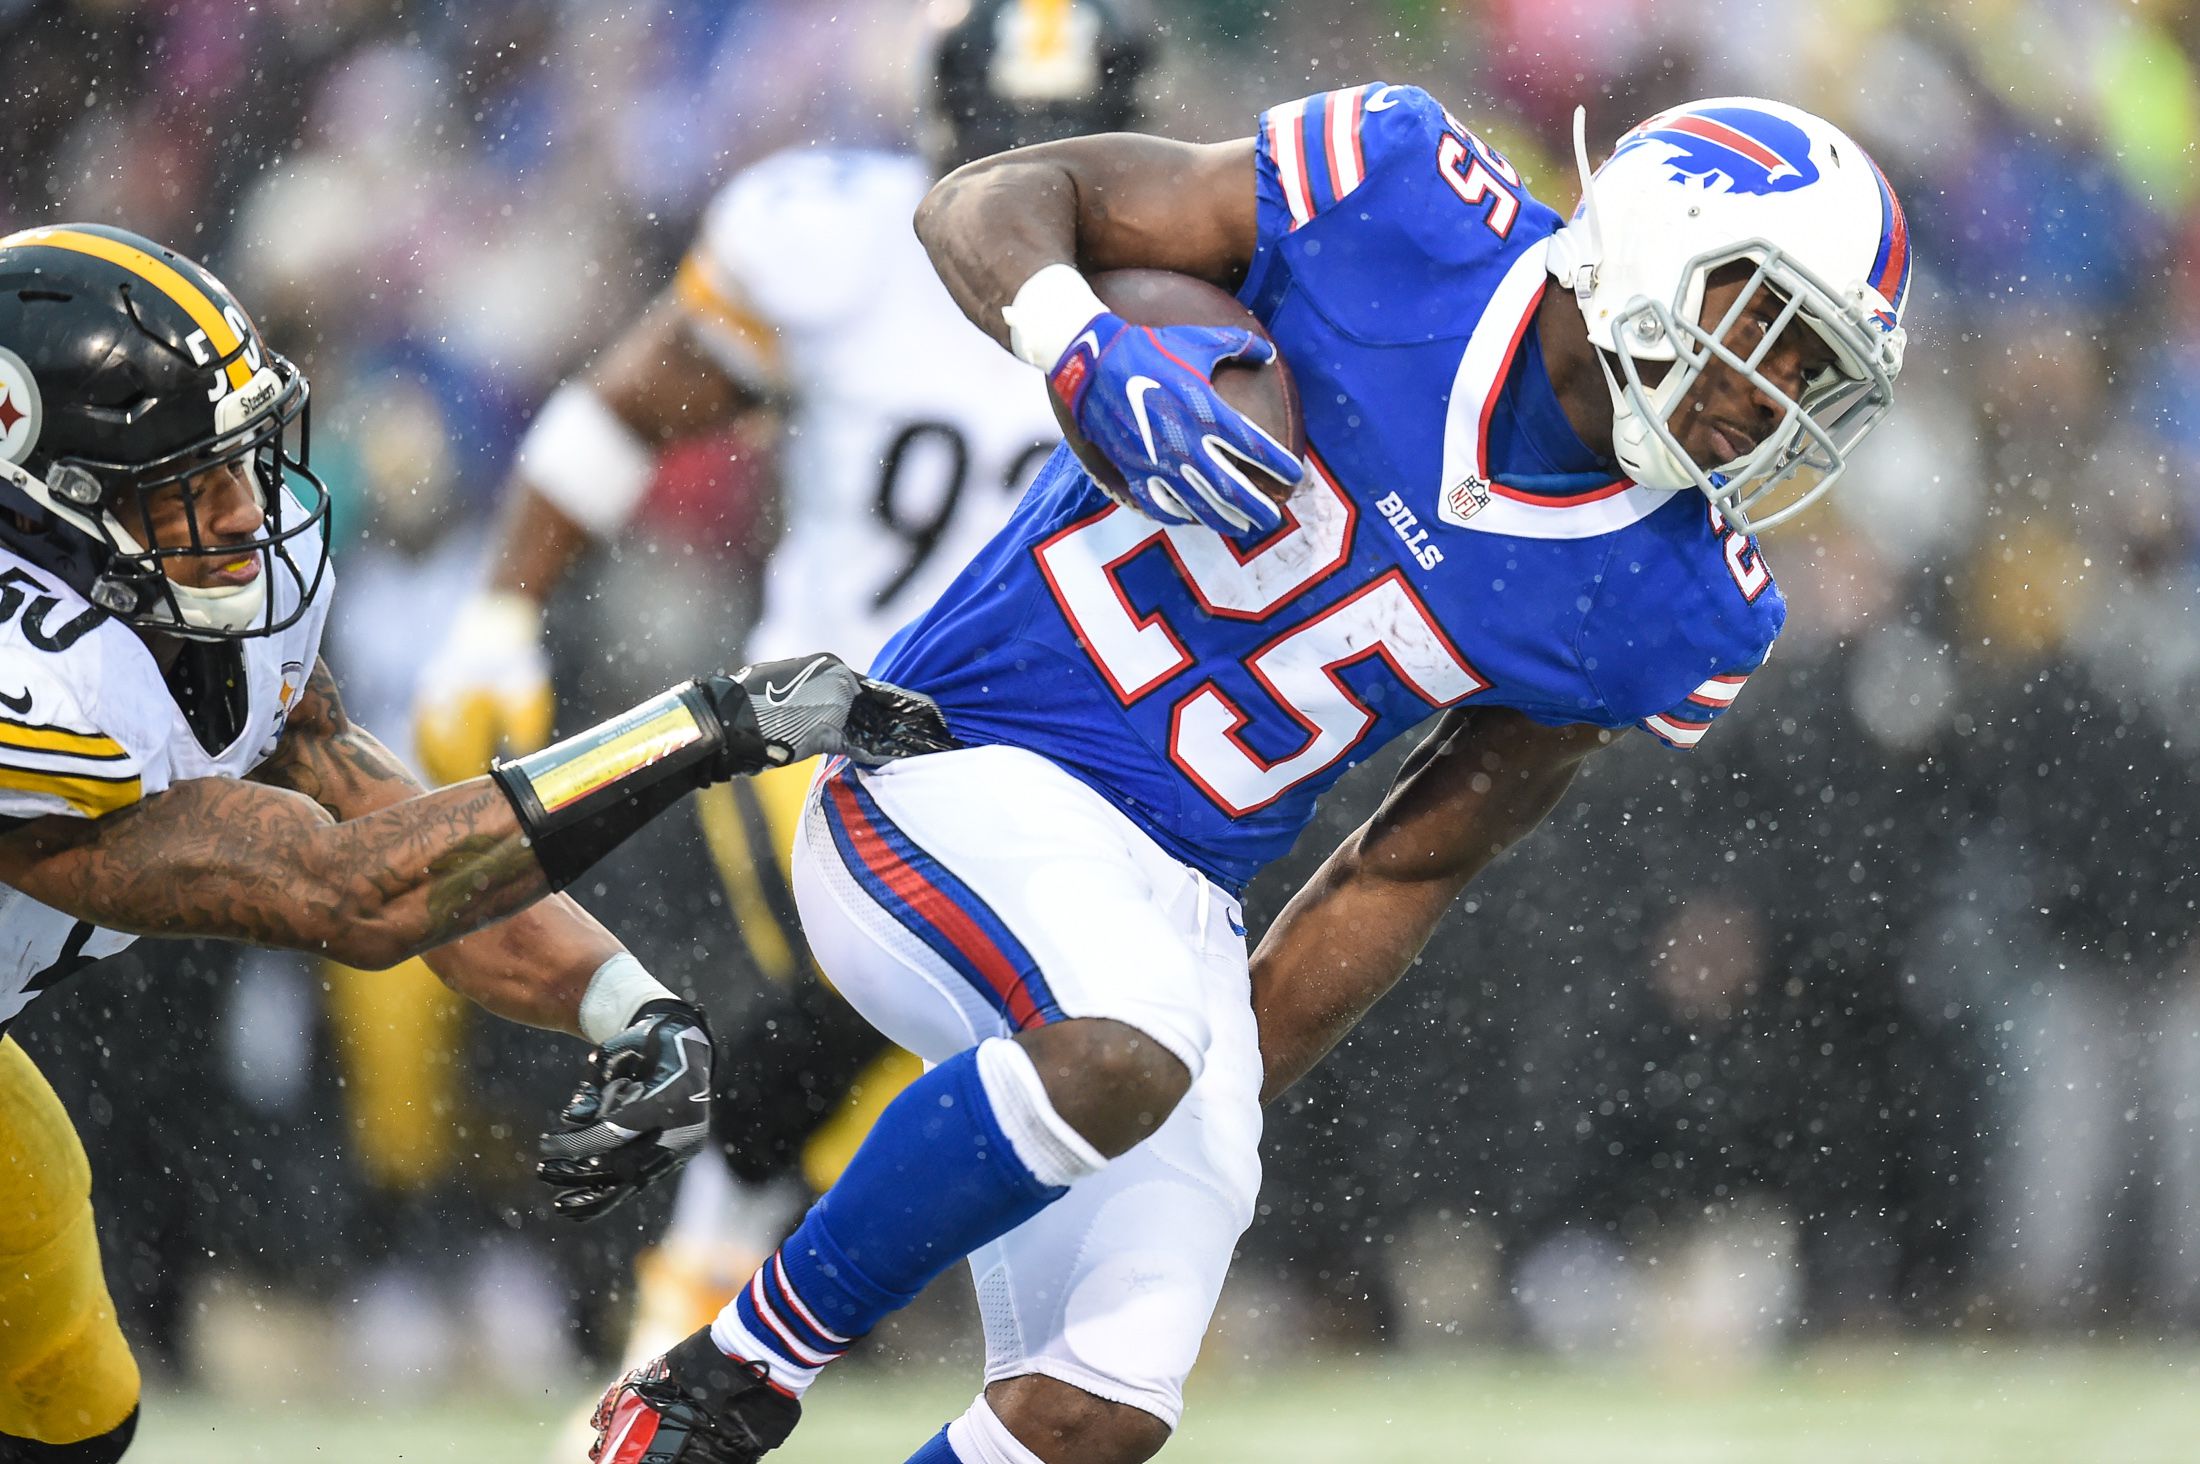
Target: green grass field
(1927, 1405)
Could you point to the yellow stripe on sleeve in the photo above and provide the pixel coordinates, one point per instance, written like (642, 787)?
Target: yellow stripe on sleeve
(58, 739)
(710, 305)
(91, 797)
(161, 276)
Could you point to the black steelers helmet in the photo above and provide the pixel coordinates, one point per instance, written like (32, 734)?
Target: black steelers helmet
(126, 368)
(1009, 73)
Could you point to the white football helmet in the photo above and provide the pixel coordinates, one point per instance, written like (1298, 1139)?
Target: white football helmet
(1706, 184)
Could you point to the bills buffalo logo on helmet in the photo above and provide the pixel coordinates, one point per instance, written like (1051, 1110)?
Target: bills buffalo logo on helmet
(1730, 149)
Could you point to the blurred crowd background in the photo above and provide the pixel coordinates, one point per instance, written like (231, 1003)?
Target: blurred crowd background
(1880, 1011)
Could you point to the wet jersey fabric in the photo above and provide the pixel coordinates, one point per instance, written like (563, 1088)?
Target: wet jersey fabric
(89, 726)
(1213, 690)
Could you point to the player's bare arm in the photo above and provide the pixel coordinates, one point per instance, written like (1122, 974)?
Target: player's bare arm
(1118, 201)
(239, 860)
(582, 471)
(532, 968)
(633, 1116)
(660, 383)
(1012, 236)
(243, 860)
(1479, 784)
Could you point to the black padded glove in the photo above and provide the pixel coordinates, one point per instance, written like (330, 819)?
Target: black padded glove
(780, 712)
(642, 1109)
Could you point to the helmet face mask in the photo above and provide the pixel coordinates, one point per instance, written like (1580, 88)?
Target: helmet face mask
(159, 430)
(1820, 420)
(163, 547)
(1739, 184)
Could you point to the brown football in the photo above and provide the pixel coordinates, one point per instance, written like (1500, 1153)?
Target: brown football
(1265, 394)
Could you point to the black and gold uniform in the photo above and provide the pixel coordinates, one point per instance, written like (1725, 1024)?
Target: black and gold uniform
(122, 366)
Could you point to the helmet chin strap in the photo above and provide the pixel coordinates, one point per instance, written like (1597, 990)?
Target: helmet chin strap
(1576, 251)
(1640, 451)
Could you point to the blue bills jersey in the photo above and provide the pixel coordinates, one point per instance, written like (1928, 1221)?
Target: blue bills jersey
(1453, 543)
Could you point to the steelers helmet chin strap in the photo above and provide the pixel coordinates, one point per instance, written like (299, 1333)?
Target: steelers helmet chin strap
(221, 609)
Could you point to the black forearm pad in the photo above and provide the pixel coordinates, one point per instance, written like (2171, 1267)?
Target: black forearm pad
(571, 850)
(581, 798)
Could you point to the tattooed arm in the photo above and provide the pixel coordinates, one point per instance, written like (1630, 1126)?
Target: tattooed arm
(531, 968)
(308, 860)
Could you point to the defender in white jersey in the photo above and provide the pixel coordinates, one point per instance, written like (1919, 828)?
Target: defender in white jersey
(174, 760)
(804, 280)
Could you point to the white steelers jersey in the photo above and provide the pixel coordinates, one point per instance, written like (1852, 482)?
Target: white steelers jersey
(910, 433)
(88, 725)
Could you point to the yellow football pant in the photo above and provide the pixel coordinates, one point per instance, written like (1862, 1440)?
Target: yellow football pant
(397, 1037)
(66, 1374)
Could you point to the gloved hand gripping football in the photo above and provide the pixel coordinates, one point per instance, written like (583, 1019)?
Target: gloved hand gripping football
(1144, 397)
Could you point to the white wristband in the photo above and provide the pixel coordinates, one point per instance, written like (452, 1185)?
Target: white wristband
(585, 461)
(621, 987)
(1050, 310)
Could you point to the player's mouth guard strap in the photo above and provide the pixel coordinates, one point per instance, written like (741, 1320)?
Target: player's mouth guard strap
(579, 799)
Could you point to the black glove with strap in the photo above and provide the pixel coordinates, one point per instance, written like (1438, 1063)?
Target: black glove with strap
(578, 799)
(642, 1109)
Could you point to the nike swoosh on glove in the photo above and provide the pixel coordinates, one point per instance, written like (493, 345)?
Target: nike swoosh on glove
(1144, 396)
(779, 712)
(642, 1109)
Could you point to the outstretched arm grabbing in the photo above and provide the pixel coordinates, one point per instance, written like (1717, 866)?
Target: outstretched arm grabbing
(262, 863)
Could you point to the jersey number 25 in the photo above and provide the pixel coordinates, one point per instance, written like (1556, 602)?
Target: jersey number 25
(1297, 666)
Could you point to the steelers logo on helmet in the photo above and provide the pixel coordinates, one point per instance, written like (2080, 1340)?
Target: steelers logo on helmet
(164, 477)
(21, 413)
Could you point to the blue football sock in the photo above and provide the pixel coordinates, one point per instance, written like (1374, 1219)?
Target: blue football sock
(936, 1450)
(936, 1179)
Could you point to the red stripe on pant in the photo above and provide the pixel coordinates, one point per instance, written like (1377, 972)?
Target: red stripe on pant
(933, 905)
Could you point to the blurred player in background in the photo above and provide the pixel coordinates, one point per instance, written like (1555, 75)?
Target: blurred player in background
(803, 299)
(1527, 508)
(175, 760)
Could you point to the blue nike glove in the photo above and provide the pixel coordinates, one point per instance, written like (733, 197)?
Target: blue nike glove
(1144, 397)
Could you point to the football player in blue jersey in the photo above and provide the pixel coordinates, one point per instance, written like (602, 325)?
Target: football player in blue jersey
(1538, 451)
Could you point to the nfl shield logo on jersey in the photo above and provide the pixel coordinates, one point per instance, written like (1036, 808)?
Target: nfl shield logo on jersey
(1464, 499)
